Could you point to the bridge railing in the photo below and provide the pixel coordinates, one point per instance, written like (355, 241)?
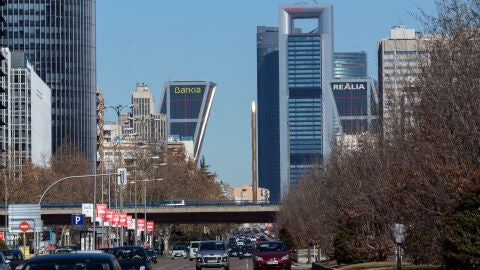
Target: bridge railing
(166, 203)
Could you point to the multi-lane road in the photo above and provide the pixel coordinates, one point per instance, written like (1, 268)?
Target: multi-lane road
(166, 263)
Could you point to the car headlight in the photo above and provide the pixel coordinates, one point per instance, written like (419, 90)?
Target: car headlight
(142, 267)
(286, 257)
(258, 259)
(225, 255)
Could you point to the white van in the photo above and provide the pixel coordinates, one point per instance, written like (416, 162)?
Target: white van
(192, 250)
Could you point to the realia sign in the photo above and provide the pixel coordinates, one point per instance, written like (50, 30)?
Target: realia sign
(349, 86)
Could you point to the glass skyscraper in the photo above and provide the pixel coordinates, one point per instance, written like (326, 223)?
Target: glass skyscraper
(307, 105)
(58, 37)
(349, 65)
(187, 105)
(268, 132)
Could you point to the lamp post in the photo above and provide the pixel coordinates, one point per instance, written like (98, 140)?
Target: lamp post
(118, 109)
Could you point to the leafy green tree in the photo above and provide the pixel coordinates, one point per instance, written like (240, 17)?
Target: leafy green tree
(462, 233)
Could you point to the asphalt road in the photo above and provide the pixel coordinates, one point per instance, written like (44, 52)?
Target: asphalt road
(166, 263)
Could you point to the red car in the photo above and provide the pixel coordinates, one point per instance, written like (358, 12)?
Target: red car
(272, 255)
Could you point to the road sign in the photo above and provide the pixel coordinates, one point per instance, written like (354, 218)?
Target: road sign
(24, 226)
(77, 219)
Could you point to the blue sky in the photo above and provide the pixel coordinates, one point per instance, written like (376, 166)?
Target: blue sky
(154, 41)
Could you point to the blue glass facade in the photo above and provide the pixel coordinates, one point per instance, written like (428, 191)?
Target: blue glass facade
(268, 131)
(357, 105)
(306, 104)
(187, 105)
(58, 37)
(349, 65)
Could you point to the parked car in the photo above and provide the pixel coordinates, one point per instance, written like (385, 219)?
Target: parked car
(152, 255)
(192, 250)
(15, 256)
(91, 261)
(212, 254)
(272, 255)
(132, 257)
(179, 251)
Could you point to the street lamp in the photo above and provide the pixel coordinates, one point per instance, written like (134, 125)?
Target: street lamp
(118, 109)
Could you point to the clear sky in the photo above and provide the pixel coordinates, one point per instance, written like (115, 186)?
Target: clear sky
(154, 41)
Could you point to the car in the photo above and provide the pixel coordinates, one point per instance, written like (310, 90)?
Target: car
(272, 255)
(15, 256)
(132, 257)
(192, 250)
(246, 251)
(212, 254)
(89, 261)
(179, 251)
(233, 251)
(152, 255)
(4, 263)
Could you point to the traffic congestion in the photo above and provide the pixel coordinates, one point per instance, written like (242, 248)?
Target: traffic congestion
(249, 248)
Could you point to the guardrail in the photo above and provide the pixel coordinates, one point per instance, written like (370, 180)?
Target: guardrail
(167, 203)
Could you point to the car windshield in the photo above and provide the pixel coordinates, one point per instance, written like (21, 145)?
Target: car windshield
(194, 245)
(12, 255)
(129, 254)
(68, 266)
(271, 247)
(212, 246)
(179, 247)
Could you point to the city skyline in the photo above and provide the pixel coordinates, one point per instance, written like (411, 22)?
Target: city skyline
(212, 40)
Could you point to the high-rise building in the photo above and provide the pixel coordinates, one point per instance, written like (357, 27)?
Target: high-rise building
(27, 135)
(58, 38)
(306, 103)
(149, 127)
(187, 105)
(357, 104)
(399, 58)
(349, 65)
(268, 131)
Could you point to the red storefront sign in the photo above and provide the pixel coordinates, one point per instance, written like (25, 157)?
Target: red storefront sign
(150, 226)
(101, 210)
(140, 224)
(109, 215)
(123, 220)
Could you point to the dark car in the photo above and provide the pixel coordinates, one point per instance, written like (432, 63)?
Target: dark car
(272, 255)
(246, 251)
(152, 255)
(132, 257)
(87, 261)
(15, 256)
(233, 251)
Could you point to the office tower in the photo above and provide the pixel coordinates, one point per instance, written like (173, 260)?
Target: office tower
(306, 103)
(27, 135)
(399, 58)
(268, 110)
(58, 37)
(349, 65)
(357, 104)
(150, 127)
(187, 105)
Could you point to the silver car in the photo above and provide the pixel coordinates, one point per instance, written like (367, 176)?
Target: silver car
(212, 254)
